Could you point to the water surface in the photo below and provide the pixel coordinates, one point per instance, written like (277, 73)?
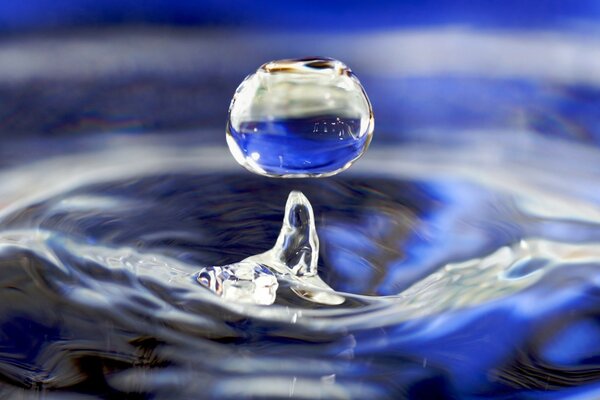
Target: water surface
(466, 243)
(467, 273)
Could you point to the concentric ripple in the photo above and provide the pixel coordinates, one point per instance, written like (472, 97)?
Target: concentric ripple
(456, 281)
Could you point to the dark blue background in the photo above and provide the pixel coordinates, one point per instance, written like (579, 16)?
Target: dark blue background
(336, 15)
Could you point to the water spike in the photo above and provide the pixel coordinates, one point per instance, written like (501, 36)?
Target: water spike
(297, 246)
(294, 259)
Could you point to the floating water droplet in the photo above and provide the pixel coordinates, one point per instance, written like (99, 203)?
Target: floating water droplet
(294, 259)
(299, 118)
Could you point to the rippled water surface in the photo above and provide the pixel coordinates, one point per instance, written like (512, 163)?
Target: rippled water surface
(465, 244)
(468, 271)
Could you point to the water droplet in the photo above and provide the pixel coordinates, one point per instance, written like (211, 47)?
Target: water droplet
(299, 118)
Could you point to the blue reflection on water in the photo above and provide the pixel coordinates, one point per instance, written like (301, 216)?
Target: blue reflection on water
(312, 145)
(511, 301)
(99, 253)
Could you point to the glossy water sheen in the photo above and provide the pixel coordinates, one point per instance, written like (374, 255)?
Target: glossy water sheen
(293, 259)
(457, 282)
(464, 244)
(299, 118)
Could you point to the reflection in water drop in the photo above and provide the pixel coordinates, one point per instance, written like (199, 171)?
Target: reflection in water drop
(299, 118)
(294, 258)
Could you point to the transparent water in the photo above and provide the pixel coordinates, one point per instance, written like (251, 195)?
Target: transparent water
(431, 257)
(318, 146)
(294, 259)
(464, 244)
(299, 118)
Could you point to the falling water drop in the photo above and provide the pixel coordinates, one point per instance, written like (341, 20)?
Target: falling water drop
(299, 118)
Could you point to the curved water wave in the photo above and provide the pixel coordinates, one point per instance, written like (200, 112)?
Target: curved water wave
(456, 281)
